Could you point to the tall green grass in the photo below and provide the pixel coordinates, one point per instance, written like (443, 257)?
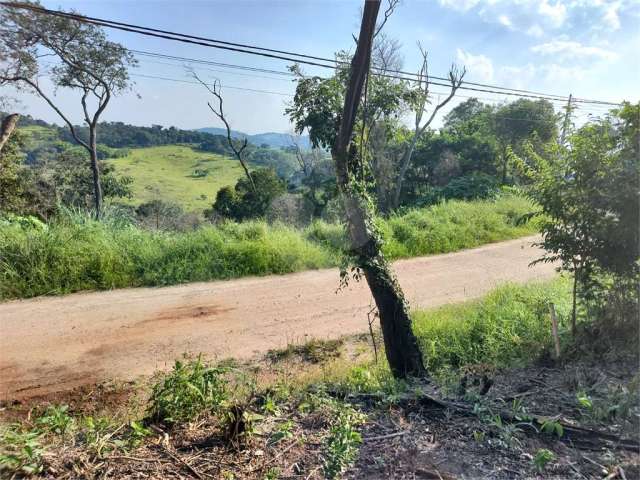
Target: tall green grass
(76, 253)
(509, 326)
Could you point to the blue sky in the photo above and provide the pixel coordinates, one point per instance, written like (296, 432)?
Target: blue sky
(588, 48)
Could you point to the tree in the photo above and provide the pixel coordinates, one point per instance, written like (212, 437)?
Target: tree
(12, 173)
(249, 200)
(401, 346)
(589, 194)
(521, 121)
(88, 63)
(218, 111)
(419, 106)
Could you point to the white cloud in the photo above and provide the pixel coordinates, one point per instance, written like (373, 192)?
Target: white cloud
(480, 66)
(610, 16)
(568, 49)
(460, 5)
(504, 20)
(535, 31)
(556, 13)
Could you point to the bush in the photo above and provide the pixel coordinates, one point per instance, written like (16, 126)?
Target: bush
(509, 326)
(454, 225)
(189, 390)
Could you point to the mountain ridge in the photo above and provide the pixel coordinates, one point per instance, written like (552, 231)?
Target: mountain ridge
(272, 139)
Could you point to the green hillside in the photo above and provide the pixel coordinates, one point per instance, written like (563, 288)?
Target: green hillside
(169, 173)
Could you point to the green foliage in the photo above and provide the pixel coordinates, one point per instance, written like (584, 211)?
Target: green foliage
(12, 174)
(76, 252)
(190, 389)
(243, 202)
(454, 225)
(56, 419)
(553, 427)
(343, 442)
(588, 193)
(20, 451)
(542, 458)
(508, 326)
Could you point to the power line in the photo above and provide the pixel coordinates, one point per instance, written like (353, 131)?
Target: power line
(277, 54)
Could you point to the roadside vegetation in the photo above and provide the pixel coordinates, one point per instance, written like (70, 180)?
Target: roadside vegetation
(75, 252)
(330, 409)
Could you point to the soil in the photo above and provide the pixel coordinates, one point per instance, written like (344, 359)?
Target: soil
(54, 344)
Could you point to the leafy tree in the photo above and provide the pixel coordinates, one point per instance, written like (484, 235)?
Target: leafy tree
(521, 121)
(87, 63)
(67, 180)
(470, 117)
(589, 194)
(12, 174)
(246, 200)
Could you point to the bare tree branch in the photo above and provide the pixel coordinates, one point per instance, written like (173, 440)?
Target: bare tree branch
(215, 90)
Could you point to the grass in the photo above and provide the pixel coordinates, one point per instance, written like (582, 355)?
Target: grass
(76, 253)
(169, 172)
(509, 326)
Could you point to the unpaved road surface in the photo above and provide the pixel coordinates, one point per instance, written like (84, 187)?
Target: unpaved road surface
(52, 344)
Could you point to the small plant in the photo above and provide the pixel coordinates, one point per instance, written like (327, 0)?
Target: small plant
(137, 433)
(584, 401)
(284, 431)
(478, 436)
(190, 389)
(20, 451)
(542, 458)
(272, 474)
(508, 432)
(99, 435)
(56, 419)
(238, 424)
(553, 427)
(342, 444)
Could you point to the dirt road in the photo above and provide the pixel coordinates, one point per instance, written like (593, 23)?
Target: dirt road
(51, 344)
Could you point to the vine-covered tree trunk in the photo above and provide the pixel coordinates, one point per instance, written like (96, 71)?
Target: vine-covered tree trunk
(401, 346)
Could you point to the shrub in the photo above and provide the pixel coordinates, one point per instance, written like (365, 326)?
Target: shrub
(190, 389)
(509, 326)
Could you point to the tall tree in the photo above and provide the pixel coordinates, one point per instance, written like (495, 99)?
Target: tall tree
(401, 346)
(521, 121)
(419, 105)
(86, 62)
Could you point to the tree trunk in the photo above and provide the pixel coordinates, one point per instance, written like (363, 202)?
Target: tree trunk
(95, 168)
(401, 346)
(404, 166)
(504, 165)
(8, 126)
(573, 308)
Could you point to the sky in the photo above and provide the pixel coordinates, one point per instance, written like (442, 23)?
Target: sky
(588, 48)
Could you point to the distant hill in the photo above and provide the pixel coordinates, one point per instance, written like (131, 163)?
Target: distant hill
(273, 139)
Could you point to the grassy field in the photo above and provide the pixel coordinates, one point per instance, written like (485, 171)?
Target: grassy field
(76, 253)
(36, 135)
(167, 173)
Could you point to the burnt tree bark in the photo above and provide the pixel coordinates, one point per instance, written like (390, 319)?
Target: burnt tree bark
(401, 346)
(8, 126)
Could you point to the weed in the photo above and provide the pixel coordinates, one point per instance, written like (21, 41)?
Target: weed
(507, 327)
(343, 441)
(56, 419)
(272, 474)
(191, 388)
(553, 427)
(542, 458)
(478, 436)
(20, 451)
(284, 431)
